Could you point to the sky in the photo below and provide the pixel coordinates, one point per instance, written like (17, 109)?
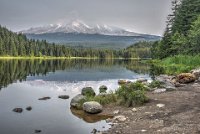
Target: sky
(142, 16)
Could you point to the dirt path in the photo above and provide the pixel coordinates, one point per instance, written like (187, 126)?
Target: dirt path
(181, 114)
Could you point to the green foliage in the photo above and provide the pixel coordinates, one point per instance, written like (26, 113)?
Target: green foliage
(104, 99)
(139, 50)
(194, 37)
(182, 34)
(13, 44)
(156, 84)
(177, 64)
(132, 94)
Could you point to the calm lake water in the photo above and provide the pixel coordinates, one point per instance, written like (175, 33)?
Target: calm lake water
(22, 82)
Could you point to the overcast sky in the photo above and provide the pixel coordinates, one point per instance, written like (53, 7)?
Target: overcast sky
(143, 16)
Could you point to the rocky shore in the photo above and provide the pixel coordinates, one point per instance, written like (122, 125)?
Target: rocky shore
(175, 110)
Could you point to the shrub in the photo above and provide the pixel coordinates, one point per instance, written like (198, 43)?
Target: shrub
(132, 94)
(156, 84)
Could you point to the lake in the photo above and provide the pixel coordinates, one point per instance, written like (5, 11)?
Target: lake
(23, 82)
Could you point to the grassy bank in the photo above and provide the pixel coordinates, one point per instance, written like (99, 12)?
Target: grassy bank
(177, 64)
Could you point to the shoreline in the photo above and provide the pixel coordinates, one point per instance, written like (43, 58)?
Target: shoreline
(65, 58)
(172, 111)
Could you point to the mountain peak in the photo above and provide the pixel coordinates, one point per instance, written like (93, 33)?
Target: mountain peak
(78, 26)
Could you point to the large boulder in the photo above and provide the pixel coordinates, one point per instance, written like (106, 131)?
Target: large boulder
(102, 89)
(76, 101)
(88, 91)
(92, 107)
(185, 78)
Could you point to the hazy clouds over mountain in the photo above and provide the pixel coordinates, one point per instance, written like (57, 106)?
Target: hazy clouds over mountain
(142, 16)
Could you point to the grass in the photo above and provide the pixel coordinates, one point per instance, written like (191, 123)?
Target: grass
(177, 64)
(104, 99)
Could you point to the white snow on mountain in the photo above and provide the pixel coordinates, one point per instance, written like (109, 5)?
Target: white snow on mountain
(78, 26)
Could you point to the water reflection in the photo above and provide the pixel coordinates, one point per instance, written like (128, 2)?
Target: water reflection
(13, 70)
(53, 78)
(89, 118)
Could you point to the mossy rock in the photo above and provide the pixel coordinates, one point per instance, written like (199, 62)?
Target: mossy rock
(88, 91)
(102, 89)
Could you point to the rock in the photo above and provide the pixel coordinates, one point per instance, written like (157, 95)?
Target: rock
(196, 73)
(160, 105)
(170, 88)
(179, 85)
(75, 102)
(134, 110)
(44, 98)
(29, 108)
(38, 131)
(94, 131)
(63, 97)
(161, 90)
(116, 112)
(120, 118)
(185, 78)
(88, 91)
(92, 107)
(18, 110)
(141, 80)
(121, 82)
(102, 89)
(143, 130)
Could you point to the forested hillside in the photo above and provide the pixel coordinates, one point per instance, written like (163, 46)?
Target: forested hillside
(182, 34)
(13, 44)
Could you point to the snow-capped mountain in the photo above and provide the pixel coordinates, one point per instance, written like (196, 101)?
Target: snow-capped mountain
(78, 26)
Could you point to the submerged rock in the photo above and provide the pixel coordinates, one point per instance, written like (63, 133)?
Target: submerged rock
(92, 107)
(185, 78)
(94, 131)
(18, 110)
(88, 91)
(44, 98)
(38, 131)
(29, 108)
(63, 97)
(75, 102)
